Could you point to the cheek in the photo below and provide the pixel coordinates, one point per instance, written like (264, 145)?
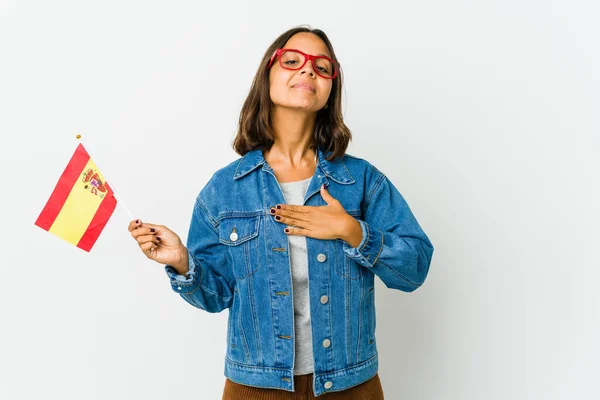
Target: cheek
(277, 84)
(326, 91)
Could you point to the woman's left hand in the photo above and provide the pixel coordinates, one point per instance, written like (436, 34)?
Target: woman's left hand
(320, 222)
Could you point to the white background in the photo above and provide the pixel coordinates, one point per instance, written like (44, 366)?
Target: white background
(484, 114)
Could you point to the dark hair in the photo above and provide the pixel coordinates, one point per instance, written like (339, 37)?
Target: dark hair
(255, 129)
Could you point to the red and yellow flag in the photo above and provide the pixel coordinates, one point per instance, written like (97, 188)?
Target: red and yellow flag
(81, 203)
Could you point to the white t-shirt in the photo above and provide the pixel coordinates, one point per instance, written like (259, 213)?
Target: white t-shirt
(294, 193)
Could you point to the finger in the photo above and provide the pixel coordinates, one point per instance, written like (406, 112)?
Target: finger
(296, 231)
(282, 216)
(326, 196)
(292, 221)
(148, 248)
(143, 231)
(292, 208)
(147, 238)
(157, 228)
(134, 224)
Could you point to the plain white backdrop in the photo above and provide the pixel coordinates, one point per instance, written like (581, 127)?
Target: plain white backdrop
(484, 114)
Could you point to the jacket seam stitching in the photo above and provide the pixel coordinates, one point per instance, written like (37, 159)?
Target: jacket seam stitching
(255, 366)
(370, 359)
(376, 186)
(239, 163)
(346, 168)
(368, 237)
(399, 275)
(380, 249)
(210, 218)
(200, 286)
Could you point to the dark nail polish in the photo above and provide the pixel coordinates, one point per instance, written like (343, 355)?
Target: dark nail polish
(151, 229)
(278, 207)
(272, 211)
(277, 217)
(137, 221)
(157, 238)
(286, 230)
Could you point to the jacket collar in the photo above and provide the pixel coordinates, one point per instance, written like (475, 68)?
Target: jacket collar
(336, 170)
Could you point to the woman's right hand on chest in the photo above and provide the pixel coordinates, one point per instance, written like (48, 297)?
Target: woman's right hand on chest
(160, 244)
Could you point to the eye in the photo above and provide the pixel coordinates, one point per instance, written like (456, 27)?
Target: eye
(322, 69)
(290, 62)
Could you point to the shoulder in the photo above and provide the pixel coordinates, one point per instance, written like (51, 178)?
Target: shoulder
(224, 175)
(217, 187)
(362, 169)
(353, 160)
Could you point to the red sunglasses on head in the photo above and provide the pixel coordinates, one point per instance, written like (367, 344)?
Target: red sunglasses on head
(294, 59)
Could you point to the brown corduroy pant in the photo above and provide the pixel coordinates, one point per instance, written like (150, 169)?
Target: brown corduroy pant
(368, 390)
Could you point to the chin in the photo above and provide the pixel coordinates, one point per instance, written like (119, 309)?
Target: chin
(308, 107)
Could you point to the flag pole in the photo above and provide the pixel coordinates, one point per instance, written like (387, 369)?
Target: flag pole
(119, 200)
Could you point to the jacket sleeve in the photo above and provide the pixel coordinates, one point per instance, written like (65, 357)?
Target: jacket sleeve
(393, 246)
(210, 281)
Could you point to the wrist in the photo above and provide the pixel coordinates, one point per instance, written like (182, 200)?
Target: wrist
(182, 265)
(353, 233)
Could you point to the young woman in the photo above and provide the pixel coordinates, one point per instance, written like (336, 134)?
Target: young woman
(289, 237)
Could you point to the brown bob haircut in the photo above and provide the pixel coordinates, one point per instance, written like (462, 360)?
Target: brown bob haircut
(255, 130)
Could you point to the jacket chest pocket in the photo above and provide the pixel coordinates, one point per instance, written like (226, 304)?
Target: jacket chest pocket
(240, 236)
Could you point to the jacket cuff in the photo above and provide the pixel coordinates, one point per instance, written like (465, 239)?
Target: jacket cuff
(183, 283)
(369, 249)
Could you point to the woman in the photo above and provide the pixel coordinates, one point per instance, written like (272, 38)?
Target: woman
(290, 236)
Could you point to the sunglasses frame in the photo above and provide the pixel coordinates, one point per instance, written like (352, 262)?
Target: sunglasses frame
(307, 57)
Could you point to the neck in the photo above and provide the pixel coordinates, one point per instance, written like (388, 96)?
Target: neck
(293, 130)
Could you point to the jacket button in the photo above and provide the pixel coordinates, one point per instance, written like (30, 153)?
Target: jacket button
(233, 236)
(326, 343)
(321, 257)
(324, 299)
(328, 385)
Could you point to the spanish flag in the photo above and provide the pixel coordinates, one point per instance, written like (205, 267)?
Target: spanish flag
(81, 203)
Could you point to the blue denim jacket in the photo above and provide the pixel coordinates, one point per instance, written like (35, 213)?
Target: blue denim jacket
(239, 259)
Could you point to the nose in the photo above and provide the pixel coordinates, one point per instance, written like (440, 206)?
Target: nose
(308, 67)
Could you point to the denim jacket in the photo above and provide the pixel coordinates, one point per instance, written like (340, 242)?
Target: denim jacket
(238, 259)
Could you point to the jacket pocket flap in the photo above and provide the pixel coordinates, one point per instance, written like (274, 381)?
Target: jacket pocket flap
(237, 230)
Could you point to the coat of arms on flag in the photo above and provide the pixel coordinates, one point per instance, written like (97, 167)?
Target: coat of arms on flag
(80, 205)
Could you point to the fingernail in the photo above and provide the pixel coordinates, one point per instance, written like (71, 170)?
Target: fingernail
(272, 211)
(286, 230)
(157, 238)
(277, 217)
(151, 229)
(278, 207)
(137, 221)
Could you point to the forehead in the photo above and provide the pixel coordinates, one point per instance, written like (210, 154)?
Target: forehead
(308, 43)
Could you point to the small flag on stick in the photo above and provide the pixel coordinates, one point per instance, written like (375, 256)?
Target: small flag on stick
(80, 205)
